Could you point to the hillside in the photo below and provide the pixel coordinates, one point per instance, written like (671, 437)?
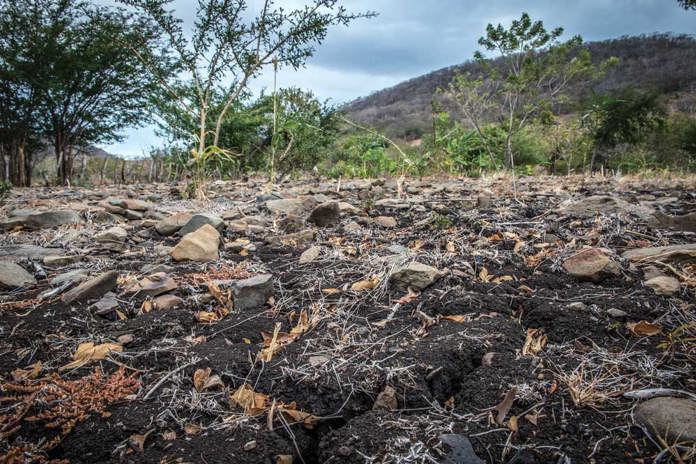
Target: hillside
(663, 61)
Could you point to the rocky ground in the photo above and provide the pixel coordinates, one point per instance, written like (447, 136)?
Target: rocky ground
(360, 322)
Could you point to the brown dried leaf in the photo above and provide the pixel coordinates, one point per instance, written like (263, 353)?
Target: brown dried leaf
(535, 342)
(366, 284)
(409, 297)
(513, 425)
(30, 373)
(137, 442)
(192, 429)
(88, 351)
(503, 408)
(169, 435)
(200, 377)
(644, 328)
(461, 318)
(253, 403)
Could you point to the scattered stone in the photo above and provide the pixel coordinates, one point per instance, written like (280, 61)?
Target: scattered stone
(252, 292)
(201, 245)
(485, 199)
(310, 254)
(577, 306)
(296, 239)
(352, 228)
(167, 302)
(19, 252)
(325, 215)
(155, 268)
(663, 285)
(415, 275)
(49, 219)
(686, 223)
(387, 222)
(152, 285)
(13, 275)
(673, 419)
(591, 264)
(106, 305)
(616, 313)
(172, 224)
(125, 339)
(296, 206)
(347, 208)
(113, 239)
(74, 277)
(666, 253)
(459, 450)
(199, 220)
(131, 204)
(250, 445)
(603, 204)
(57, 261)
(92, 289)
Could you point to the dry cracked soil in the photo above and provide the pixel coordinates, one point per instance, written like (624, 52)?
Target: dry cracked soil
(364, 321)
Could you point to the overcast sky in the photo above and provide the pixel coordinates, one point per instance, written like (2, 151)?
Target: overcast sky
(413, 37)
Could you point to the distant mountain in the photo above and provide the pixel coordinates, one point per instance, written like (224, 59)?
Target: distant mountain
(91, 151)
(664, 62)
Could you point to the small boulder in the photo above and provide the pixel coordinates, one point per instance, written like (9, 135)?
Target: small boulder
(131, 204)
(167, 302)
(92, 289)
(663, 285)
(673, 419)
(106, 304)
(172, 224)
(74, 277)
(14, 276)
(325, 215)
(296, 206)
(64, 260)
(152, 285)
(113, 239)
(591, 264)
(199, 220)
(310, 254)
(415, 275)
(201, 245)
(252, 292)
(50, 219)
(387, 222)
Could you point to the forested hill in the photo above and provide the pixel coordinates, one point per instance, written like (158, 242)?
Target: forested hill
(663, 62)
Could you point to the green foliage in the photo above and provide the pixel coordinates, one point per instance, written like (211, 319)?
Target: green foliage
(441, 222)
(687, 4)
(5, 187)
(361, 155)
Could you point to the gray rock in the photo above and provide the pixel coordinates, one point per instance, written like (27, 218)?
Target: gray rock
(155, 268)
(603, 204)
(459, 450)
(252, 292)
(387, 222)
(325, 215)
(296, 206)
(199, 220)
(74, 277)
(310, 254)
(61, 260)
(415, 275)
(106, 304)
(673, 419)
(685, 252)
(47, 219)
(201, 245)
(591, 264)
(13, 275)
(485, 199)
(131, 204)
(685, 223)
(113, 239)
(663, 285)
(616, 313)
(19, 252)
(298, 238)
(92, 289)
(152, 285)
(172, 224)
(167, 302)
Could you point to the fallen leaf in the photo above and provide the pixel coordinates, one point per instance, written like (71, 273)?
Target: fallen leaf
(253, 403)
(137, 442)
(169, 435)
(513, 425)
(202, 380)
(147, 306)
(192, 429)
(30, 373)
(483, 275)
(331, 291)
(461, 318)
(88, 351)
(535, 342)
(409, 297)
(225, 299)
(366, 284)
(451, 247)
(518, 246)
(291, 411)
(503, 408)
(644, 328)
(284, 459)
(532, 417)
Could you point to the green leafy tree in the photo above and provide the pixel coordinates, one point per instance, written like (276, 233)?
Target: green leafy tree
(687, 4)
(226, 50)
(625, 117)
(530, 76)
(82, 84)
